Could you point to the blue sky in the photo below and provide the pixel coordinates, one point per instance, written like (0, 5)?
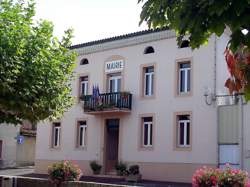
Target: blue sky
(91, 19)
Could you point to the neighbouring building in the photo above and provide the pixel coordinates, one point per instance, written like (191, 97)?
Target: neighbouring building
(17, 145)
(143, 100)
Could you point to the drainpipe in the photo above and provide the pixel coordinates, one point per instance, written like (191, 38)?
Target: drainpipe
(215, 64)
(214, 95)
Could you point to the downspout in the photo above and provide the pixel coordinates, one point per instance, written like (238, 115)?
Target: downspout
(214, 95)
(215, 64)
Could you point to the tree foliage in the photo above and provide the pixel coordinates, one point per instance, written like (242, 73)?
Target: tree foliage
(238, 64)
(35, 67)
(198, 20)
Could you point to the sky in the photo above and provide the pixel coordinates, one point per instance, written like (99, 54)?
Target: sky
(91, 19)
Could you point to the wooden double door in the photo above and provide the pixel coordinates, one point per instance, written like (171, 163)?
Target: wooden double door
(112, 143)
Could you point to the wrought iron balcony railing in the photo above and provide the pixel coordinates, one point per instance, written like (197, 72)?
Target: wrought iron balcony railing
(116, 101)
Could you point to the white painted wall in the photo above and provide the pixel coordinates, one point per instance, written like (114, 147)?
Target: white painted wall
(7, 135)
(222, 73)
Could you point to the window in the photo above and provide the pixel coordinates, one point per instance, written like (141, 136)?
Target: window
(184, 77)
(114, 82)
(149, 50)
(84, 85)
(147, 131)
(148, 81)
(81, 133)
(184, 44)
(1, 148)
(84, 61)
(56, 135)
(183, 130)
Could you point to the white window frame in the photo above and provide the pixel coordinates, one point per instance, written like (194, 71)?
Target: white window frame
(150, 128)
(84, 84)
(150, 83)
(58, 128)
(115, 78)
(186, 71)
(1, 150)
(84, 131)
(186, 123)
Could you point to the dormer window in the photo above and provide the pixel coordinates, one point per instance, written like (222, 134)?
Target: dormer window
(184, 44)
(84, 61)
(149, 50)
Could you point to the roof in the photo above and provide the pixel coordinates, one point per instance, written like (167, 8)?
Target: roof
(120, 37)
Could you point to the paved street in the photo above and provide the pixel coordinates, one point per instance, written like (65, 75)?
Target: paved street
(17, 171)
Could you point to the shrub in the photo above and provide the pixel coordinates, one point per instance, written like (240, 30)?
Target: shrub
(133, 174)
(63, 171)
(121, 168)
(229, 177)
(96, 168)
(233, 177)
(206, 177)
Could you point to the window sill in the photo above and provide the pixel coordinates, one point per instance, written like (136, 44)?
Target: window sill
(187, 148)
(55, 148)
(80, 148)
(186, 94)
(149, 148)
(144, 97)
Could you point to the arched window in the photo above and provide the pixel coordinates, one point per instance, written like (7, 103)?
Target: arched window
(148, 50)
(184, 43)
(84, 61)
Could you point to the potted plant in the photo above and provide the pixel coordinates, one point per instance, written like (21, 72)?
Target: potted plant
(228, 177)
(133, 174)
(63, 171)
(120, 168)
(96, 168)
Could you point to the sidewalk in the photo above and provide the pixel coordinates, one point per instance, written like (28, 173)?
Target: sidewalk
(17, 171)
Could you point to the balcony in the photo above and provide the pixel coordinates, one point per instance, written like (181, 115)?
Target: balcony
(117, 102)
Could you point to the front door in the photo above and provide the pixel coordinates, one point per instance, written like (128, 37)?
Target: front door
(112, 143)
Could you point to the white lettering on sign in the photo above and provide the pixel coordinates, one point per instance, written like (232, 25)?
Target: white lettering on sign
(117, 65)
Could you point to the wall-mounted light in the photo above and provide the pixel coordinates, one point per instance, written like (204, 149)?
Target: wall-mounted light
(209, 96)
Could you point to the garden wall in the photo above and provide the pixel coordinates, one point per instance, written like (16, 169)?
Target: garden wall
(6, 181)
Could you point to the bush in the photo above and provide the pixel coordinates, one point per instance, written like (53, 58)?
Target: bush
(121, 168)
(207, 177)
(63, 171)
(96, 168)
(133, 170)
(133, 174)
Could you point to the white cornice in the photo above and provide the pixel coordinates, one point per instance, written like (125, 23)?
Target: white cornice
(134, 40)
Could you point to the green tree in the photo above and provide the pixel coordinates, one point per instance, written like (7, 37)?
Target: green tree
(35, 67)
(199, 19)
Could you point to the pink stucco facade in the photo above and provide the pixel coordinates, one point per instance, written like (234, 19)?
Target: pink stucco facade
(163, 161)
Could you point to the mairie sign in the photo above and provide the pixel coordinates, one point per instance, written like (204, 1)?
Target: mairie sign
(112, 66)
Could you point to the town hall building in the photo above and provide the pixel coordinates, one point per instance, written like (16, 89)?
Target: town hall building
(141, 99)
